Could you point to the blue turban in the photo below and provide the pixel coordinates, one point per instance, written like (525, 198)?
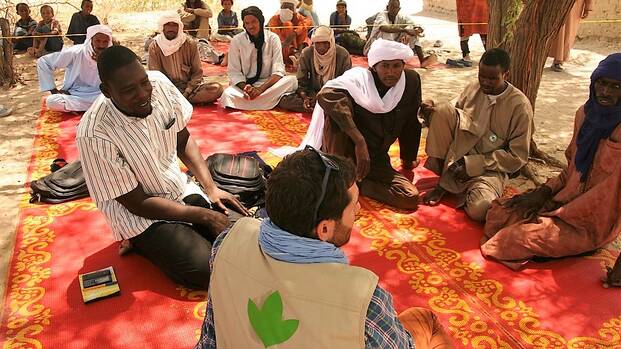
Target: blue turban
(600, 121)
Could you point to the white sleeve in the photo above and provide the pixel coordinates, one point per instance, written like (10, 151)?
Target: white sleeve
(234, 69)
(47, 64)
(278, 65)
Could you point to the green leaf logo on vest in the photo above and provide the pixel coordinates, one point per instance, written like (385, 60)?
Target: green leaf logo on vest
(268, 321)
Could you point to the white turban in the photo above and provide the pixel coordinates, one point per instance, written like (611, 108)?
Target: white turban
(92, 31)
(388, 50)
(325, 65)
(294, 2)
(169, 47)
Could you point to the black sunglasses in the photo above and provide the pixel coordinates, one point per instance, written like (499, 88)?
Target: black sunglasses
(330, 166)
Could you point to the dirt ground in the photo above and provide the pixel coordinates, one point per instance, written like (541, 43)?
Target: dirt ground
(559, 97)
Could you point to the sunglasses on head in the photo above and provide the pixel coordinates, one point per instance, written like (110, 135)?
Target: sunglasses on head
(329, 166)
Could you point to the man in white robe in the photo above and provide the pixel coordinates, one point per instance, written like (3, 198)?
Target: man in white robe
(395, 26)
(256, 70)
(81, 85)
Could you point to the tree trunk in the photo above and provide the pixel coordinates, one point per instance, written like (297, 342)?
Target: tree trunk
(7, 74)
(527, 33)
(536, 27)
(502, 17)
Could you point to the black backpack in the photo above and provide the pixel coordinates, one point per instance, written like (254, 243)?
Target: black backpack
(241, 175)
(65, 184)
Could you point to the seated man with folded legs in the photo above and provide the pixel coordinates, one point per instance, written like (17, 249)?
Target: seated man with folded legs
(477, 143)
(292, 29)
(392, 25)
(130, 142)
(319, 63)
(256, 71)
(81, 85)
(360, 114)
(577, 211)
(176, 55)
(293, 269)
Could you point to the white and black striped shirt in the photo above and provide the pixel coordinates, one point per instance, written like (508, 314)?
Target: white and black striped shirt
(118, 152)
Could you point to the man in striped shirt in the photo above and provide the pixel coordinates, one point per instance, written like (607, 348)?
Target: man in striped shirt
(129, 142)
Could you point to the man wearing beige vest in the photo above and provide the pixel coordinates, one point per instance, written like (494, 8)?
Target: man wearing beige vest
(475, 144)
(285, 283)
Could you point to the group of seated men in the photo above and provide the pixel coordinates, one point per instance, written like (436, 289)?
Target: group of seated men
(131, 136)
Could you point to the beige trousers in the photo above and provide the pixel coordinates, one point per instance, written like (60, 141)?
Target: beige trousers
(475, 195)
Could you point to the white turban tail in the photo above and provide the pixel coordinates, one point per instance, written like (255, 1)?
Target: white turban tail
(388, 50)
(325, 65)
(169, 47)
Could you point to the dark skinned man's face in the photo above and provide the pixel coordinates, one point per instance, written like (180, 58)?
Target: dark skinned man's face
(393, 8)
(171, 30)
(87, 8)
(322, 47)
(100, 42)
(608, 92)
(130, 90)
(389, 72)
(252, 25)
(492, 79)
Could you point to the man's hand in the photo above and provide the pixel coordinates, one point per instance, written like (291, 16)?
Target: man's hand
(426, 109)
(309, 103)
(188, 10)
(215, 221)
(289, 39)
(219, 198)
(189, 93)
(363, 160)
(458, 168)
(251, 92)
(56, 91)
(532, 201)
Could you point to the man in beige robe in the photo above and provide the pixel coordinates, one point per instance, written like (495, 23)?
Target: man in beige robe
(195, 16)
(176, 55)
(479, 142)
(567, 34)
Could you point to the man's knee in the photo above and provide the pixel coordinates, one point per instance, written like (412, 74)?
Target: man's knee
(444, 113)
(208, 93)
(476, 208)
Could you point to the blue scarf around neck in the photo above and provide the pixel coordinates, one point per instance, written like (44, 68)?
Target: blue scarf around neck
(286, 247)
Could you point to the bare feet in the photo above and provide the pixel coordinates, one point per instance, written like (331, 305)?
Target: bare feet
(434, 197)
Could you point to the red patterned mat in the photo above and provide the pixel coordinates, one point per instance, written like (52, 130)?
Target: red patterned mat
(427, 258)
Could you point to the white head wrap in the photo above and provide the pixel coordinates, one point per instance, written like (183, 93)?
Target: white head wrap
(169, 47)
(90, 32)
(294, 2)
(388, 50)
(325, 65)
